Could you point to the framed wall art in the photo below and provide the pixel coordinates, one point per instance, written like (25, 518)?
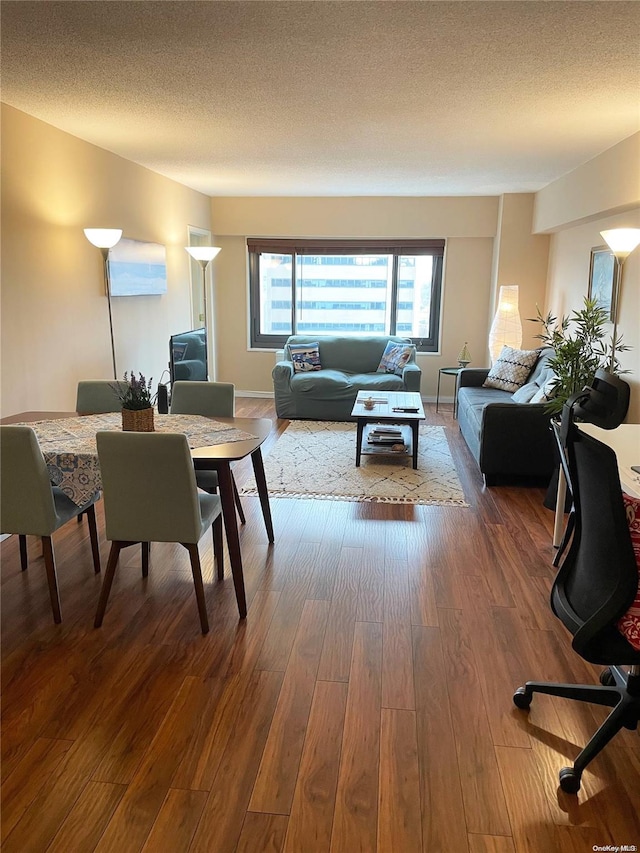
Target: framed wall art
(137, 268)
(602, 279)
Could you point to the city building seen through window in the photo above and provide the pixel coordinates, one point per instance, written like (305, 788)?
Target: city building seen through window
(345, 288)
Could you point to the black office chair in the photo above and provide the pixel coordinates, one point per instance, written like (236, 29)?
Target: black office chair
(595, 586)
(605, 404)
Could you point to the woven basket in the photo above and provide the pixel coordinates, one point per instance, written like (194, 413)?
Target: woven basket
(137, 420)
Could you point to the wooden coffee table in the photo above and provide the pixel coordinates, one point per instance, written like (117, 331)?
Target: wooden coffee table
(401, 408)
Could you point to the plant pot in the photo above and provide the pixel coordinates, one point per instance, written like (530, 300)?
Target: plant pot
(137, 420)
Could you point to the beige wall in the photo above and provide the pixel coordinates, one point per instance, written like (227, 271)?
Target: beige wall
(568, 280)
(568, 285)
(55, 325)
(469, 224)
(608, 184)
(521, 257)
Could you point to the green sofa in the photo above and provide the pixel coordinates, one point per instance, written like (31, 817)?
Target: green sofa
(349, 365)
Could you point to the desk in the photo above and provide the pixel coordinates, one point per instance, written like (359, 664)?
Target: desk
(244, 437)
(625, 443)
(449, 371)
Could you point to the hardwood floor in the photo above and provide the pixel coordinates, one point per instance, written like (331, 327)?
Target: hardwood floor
(364, 704)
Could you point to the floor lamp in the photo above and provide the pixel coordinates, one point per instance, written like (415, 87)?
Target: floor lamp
(104, 239)
(204, 255)
(621, 241)
(506, 329)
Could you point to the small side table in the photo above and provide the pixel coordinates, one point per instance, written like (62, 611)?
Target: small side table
(449, 371)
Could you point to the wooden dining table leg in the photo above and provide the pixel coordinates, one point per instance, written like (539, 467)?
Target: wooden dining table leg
(263, 492)
(225, 488)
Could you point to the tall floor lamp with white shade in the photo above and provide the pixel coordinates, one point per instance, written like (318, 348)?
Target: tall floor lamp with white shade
(506, 328)
(105, 239)
(203, 255)
(621, 241)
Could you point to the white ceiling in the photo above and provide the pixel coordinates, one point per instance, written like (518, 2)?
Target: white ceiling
(333, 98)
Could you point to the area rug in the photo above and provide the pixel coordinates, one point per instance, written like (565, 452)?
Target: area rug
(316, 459)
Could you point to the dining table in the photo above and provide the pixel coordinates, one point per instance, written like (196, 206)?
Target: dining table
(68, 444)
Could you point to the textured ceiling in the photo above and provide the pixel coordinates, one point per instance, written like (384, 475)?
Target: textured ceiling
(333, 98)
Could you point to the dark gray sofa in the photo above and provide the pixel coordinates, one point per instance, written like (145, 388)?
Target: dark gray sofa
(505, 437)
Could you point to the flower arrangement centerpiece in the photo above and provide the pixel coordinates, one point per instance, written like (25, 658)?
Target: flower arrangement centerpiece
(137, 403)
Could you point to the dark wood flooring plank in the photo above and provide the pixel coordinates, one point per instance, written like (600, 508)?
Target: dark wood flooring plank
(531, 822)
(354, 825)
(141, 804)
(443, 826)
(284, 625)
(399, 812)
(223, 817)
(264, 832)
(336, 653)
(276, 779)
(490, 844)
(484, 804)
(88, 818)
(176, 823)
(313, 804)
(22, 786)
(397, 666)
(199, 764)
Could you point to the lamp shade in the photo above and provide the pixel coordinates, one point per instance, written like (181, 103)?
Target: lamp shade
(204, 254)
(103, 238)
(621, 241)
(506, 329)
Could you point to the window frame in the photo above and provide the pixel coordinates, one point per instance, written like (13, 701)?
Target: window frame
(295, 247)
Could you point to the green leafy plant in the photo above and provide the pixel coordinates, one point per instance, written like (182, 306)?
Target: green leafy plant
(580, 346)
(137, 395)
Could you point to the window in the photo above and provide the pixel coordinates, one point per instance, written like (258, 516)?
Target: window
(345, 287)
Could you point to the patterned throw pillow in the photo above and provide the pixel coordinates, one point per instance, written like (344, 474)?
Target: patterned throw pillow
(394, 358)
(512, 369)
(305, 357)
(629, 624)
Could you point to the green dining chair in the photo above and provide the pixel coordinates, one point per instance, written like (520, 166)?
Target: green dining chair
(31, 506)
(94, 397)
(210, 399)
(150, 495)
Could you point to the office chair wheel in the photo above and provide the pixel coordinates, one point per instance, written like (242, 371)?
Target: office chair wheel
(569, 780)
(606, 678)
(522, 698)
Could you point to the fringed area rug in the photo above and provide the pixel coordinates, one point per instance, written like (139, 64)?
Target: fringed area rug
(316, 459)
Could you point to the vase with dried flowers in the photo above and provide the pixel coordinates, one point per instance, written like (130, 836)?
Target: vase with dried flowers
(137, 403)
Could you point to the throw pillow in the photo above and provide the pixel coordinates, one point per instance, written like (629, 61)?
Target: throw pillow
(544, 394)
(629, 624)
(305, 357)
(525, 394)
(394, 358)
(511, 369)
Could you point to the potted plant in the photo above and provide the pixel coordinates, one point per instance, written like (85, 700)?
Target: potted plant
(580, 348)
(137, 403)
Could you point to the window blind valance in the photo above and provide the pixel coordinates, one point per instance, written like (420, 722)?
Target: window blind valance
(300, 246)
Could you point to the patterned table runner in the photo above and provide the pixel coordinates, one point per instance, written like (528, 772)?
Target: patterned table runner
(69, 445)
